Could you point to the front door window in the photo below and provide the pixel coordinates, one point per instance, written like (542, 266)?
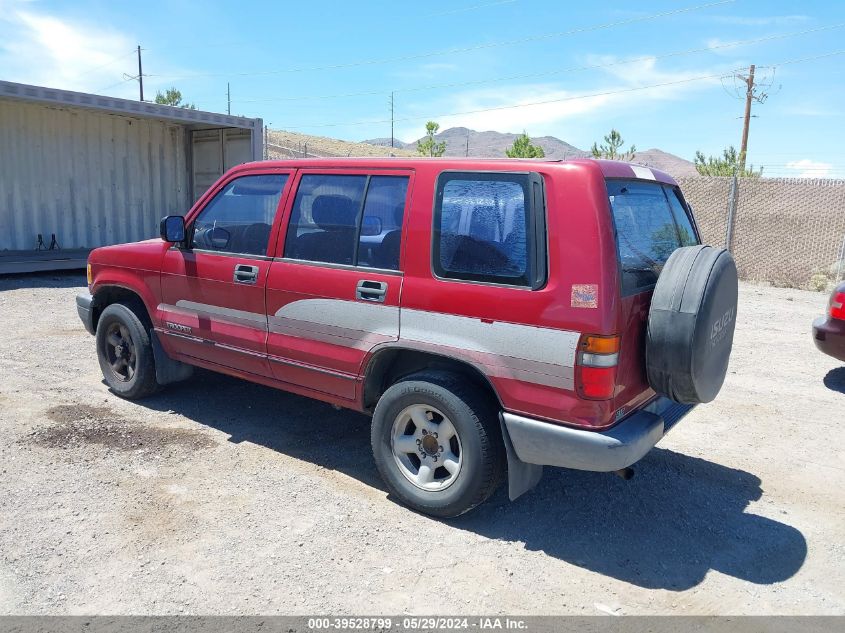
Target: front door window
(239, 218)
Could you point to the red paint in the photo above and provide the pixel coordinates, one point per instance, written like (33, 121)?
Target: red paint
(581, 255)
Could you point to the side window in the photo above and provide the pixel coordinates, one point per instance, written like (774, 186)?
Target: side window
(646, 232)
(686, 232)
(238, 219)
(351, 220)
(381, 225)
(487, 227)
(324, 218)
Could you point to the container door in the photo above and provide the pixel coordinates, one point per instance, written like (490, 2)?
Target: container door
(214, 152)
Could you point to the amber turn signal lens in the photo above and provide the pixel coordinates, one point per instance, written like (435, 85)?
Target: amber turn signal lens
(600, 344)
(89, 274)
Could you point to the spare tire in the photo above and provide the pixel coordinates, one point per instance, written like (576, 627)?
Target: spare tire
(691, 324)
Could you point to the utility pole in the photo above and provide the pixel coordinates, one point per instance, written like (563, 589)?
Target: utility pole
(228, 99)
(391, 120)
(140, 73)
(466, 152)
(749, 97)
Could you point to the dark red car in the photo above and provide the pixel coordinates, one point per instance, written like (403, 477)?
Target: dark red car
(493, 316)
(829, 331)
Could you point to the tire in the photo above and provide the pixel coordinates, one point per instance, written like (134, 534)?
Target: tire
(444, 399)
(125, 352)
(691, 324)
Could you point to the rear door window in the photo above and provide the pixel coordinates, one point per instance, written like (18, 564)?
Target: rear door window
(325, 216)
(647, 230)
(352, 220)
(381, 223)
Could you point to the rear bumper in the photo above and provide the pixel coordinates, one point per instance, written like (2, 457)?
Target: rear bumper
(86, 313)
(546, 444)
(829, 336)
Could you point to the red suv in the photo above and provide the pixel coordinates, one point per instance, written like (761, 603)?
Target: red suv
(493, 316)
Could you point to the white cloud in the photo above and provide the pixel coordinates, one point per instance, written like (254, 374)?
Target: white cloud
(543, 105)
(807, 168)
(43, 49)
(811, 110)
(510, 118)
(721, 47)
(675, 84)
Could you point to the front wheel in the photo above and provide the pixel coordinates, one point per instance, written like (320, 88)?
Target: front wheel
(437, 444)
(125, 353)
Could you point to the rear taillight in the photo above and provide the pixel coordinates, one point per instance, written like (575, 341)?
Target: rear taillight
(837, 306)
(596, 366)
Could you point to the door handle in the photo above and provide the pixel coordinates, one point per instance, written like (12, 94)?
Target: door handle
(374, 291)
(245, 274)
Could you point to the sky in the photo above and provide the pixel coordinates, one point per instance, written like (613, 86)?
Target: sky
(663, 73)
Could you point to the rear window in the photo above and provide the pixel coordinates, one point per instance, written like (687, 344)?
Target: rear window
(650, 224)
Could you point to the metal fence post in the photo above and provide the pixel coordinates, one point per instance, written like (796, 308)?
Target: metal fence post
(729, 230)
(266, 143)
(840, 269)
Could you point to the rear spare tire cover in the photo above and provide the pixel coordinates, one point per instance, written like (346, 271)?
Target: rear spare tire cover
(691, 324)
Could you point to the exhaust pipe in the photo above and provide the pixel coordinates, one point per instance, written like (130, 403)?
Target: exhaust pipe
(624, 473)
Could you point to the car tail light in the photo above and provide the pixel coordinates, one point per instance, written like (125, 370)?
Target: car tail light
(596, 364)
(837, 306)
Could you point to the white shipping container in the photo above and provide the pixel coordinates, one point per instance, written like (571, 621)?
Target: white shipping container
(97, 170)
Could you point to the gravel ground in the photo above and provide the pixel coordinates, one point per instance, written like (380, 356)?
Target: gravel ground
(219, 496)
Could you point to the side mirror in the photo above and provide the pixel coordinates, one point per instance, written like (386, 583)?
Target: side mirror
(172, 229)
(371, 225)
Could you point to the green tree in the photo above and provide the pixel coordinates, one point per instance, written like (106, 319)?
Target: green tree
(613, 142)
(427, 146)
(173, 97)
(522, 148)
(726, 165)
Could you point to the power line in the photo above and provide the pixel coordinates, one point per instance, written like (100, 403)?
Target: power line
(630, 60)
(119, 83)
(108, 63)
(453, 51)
(472, 8)
(230, 44)
(563, 99)
(518, 105)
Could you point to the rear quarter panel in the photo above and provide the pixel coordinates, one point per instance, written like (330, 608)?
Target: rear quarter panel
(497, 328)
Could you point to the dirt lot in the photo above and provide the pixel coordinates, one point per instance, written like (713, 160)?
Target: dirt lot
(219, 496)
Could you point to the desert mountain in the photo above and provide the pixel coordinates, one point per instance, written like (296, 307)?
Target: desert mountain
(461, 141)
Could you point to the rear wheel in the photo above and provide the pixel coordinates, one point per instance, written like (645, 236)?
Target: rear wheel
(125, 353)
(437, 443)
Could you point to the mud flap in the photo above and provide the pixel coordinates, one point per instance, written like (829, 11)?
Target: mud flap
(168, 370)
(522, 477)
